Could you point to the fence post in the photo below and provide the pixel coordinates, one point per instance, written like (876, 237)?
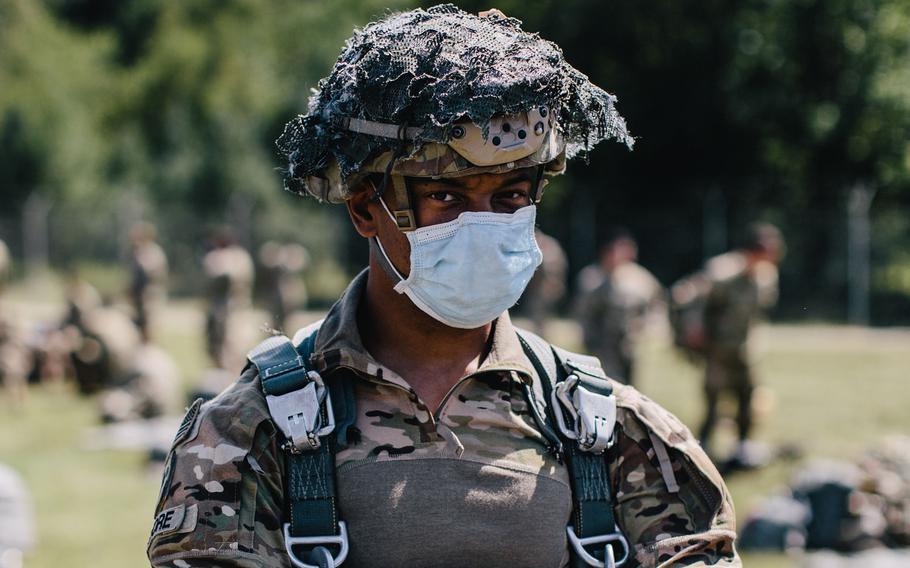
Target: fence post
(240, 218)
(714, 223)
(35, 238)
(859, 237)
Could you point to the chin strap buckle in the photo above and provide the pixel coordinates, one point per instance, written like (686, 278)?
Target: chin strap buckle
(404, 218)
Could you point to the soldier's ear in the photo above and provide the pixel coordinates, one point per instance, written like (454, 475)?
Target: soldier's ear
(363, 211)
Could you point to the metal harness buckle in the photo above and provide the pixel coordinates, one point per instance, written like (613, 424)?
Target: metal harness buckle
(593, 415)
(298, 414)
(341, 539)
(609, 540)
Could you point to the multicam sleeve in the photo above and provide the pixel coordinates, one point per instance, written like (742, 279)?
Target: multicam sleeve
(221, 494)
(671, 502)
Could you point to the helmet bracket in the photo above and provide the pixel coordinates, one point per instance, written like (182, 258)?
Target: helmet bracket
(404, 214)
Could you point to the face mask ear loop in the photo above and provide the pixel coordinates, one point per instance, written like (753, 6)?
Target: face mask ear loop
(384, 261)
(375, 244)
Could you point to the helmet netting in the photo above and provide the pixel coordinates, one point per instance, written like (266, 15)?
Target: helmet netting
(431, 68)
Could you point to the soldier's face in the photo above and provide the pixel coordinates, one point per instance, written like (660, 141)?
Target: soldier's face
(443, 200)
(621, 251)
(771, 252)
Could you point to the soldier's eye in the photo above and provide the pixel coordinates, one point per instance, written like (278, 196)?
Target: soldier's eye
(443, 196)
(514, 196)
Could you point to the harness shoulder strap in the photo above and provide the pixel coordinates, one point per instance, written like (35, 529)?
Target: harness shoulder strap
(579, 400)
(303, 410)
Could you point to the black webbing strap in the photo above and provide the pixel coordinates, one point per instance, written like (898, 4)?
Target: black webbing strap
(310, 492)
(591, 497)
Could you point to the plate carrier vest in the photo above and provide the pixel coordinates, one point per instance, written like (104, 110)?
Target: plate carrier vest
(577, 416)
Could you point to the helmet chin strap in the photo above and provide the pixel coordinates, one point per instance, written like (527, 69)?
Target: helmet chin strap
(539, 184)
(404, 214)
(376, 247)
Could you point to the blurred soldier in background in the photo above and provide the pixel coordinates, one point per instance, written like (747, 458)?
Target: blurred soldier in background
(281, 275)
(14, 361)
(229, 269)
(548, 285)
(13, 356)
(615, 299)
(17, 523)
(148, 276)
(846, 506)
(136, 379)
(743, 285)
(150, 387)
(81, 299)
(5, 263)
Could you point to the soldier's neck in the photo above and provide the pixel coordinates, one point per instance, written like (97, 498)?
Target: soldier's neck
(428, 354)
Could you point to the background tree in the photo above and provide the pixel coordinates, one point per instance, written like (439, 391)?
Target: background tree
(772, 109)
(743, 110)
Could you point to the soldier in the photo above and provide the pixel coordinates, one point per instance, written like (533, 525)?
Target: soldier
(148, 276)
(743, 285)
(438, 445)
(614, 303)
(135, 379)
(548, 285)
(846, 506)
(229, 269)
(282, 266)
(149, 389)
(14, 361)
(13, 354)
(4, 265)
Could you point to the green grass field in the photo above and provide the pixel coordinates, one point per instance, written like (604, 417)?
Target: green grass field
(832, 390)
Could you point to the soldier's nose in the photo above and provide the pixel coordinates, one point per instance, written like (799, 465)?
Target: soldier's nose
(480, 205)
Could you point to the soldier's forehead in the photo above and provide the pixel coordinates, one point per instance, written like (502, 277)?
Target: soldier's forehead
(477, 181)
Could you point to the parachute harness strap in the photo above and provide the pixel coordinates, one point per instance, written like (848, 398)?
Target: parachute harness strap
(594, 536)
(301, 407)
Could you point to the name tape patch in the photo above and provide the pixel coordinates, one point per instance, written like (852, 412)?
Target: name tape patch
(177, 519)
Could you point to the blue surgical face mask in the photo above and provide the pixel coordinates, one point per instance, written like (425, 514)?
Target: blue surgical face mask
(467, 272)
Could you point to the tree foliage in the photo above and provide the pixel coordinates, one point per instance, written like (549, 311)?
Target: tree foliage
(768, 109)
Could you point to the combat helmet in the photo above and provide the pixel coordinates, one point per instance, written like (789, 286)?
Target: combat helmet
(443, 93)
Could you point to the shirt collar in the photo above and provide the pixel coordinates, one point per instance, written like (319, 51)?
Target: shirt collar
(338, 343)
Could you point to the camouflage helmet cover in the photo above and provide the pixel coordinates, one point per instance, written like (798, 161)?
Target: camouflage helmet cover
(429, 93)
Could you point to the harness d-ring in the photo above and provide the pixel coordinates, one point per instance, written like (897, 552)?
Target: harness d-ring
(609, 561)
(341, 539)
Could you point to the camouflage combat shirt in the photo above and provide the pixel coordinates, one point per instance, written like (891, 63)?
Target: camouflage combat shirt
(469, 485)
(738, 298)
